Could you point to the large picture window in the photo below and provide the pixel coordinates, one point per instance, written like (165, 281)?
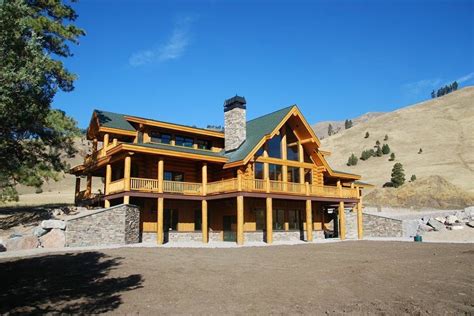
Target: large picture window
(274, 147)
(278, 219)
(275, 172)
(258, 170)
(184, 141)
(260, 219)
(292, 145)
(294, 219)
(204, 144)
(294, 174)
(161, 138)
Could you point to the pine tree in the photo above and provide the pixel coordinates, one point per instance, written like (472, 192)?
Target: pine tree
(348, 124)
(413, 178)
(392, 157)
(352, 161)
(366, 154)
(330, 130)
(455, 85)
(379, 152)
(366, 135)
(420, 151)
(377, 143)
(385, 149)
(433, 94)
(398, 175)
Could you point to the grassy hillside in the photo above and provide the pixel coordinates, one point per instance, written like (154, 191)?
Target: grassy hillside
(442, 127)
(321, 128)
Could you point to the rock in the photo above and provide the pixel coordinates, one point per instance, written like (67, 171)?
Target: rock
(424, 220)
(2, 246)
(57, 212)
(16, 235)
(54, 239)
(469, 211)
(53, 224)
(425, 228)
(437, 225)
(451, 219)
(461, 215)
(442, 220)
(455, 227)
(22, 243)
(470, 224)
(39, 231)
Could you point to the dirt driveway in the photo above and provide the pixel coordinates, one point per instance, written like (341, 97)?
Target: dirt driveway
(357, 277)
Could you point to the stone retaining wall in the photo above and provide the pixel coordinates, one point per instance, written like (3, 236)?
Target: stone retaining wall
(118, 225)
(379, 226)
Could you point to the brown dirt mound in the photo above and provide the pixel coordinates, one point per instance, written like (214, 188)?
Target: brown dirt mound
(430, 192)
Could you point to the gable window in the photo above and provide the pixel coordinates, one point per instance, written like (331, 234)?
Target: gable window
(292, 145)
(184, 141)
(173, 176)
(161, 138)
(274, 147)
(258, 169)
(204, 144)
(275, 172)
(294, 174)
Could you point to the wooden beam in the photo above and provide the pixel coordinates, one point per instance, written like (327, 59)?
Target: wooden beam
(160, 175)
(77, 189)
(159, 224)
(89, 185)
(126, 199)
(105, 144)
(290, 163)
(204, 178)
(269, 220)
(127, 172)
(240, 220)
(116, 131)
(342, 221)
(360, 227)
(309, 221)
(204, 228)
(108, 177)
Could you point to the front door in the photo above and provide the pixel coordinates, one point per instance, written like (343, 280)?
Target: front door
(229, 228)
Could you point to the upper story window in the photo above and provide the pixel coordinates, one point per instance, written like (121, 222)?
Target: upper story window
(161, 138)
(292, 145)
(293, 174)
(140, 137)
(274, 147)
(204, 144)
(275, 172)
(184, 141)
(173, 176)
(258, 170)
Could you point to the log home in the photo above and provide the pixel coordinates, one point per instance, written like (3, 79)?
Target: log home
(264, 179)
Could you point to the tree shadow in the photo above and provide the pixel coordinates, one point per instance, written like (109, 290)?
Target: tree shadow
(67, 283)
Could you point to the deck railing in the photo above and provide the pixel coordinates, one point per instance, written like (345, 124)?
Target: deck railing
(190, 188)
(222, 186)
(116, 186)
(143, 184)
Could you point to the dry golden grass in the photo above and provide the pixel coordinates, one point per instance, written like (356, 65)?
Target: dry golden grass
(443, 128)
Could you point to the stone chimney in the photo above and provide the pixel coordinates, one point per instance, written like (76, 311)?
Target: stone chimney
(235, 129)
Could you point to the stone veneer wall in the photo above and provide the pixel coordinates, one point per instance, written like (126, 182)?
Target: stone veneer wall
(234, 128)
(117, 225)
(351, 224)
(379, 226)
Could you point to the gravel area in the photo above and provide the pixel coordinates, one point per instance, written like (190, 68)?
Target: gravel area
(340, 277)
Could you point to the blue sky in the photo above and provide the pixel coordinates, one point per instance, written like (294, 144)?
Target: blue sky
(179, 60)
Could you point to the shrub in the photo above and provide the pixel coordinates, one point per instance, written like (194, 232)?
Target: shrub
(387, 185)
(379, 152)
(413, 178)
(39, 190)
(398, 175)
(352, 161)
(420, 151)
(385, 149)
(385, 138)
(392, 157)
(377, 143)
(365, 155)
(366, 135)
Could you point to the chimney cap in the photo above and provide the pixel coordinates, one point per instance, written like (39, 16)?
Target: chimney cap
(235, 102)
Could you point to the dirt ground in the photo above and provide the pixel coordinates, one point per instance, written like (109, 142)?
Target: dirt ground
(356, 277)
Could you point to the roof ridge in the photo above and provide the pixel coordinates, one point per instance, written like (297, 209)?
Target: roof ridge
(259, 117)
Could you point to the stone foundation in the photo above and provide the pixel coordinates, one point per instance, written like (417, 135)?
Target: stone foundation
(292, 235)
(118, 225)
(379, 226)
(317, 235)
(254, 236)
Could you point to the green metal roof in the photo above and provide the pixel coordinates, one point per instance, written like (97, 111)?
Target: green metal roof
(113, 120)
(181, 149)
(256, 130)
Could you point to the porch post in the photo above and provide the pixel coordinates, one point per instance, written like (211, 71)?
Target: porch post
(240, 220)
(159, 224)
(108, 179)
(204, 178)
(160, 175)
(286, 224)
(204, 227)
(105, 144)
(126, 178)
(309, 221)
(78, 189)
(269, 221)
(284, 156)
(360, 229)
(342, 221)
(89, 185)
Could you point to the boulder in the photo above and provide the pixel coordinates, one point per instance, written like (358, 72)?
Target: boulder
(442, 220)
(57, 212)
(461, 215)
(2, 246)
(451, 219)
(22, 243)
(456, 227)
(53, 224)
(437, 225)
(424, 219)
(470, 224)
(54, 239)
(425, 228)
(39, 231)
(469, 211)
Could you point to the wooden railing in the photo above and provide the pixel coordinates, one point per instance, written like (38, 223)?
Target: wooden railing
(299, 188)
(222, 186)
(143, 184)
(116, 186)
(190, 188)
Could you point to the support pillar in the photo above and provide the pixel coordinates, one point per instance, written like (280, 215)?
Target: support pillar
(126, 178)
(269, 221)
(105, 144)
(89, 185)
(77, 190)
(360, 227)
(342, 221)
(204, 228)
(240, 220)
(160, 175)
(204, 178)
(309, 221)
(159, 224)
(106, 203)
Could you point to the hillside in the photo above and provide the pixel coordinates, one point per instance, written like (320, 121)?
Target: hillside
(321, 128)
(442, 127)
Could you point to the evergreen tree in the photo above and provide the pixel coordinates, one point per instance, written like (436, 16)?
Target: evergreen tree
(385, 138)
(455, 85)
(385, 149)
(348, 124)
(420, 151)
(366, 135)
(392, 157)
(379, 152)
(433, 94)
(34, 138)
(366, 154)
(330, 130)
(413, 178)
(352, 161)
(398, 175)
(377, 143)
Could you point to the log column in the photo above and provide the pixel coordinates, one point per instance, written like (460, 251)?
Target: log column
(240, 220)
(108, 179)
(309, 221)
(89, 185)
(160, 221)
(126, 178)
(204, 228)
(105, 144)
(269, 221)
(160, 175)
(360, 229)
(78, 190)
(342, 221)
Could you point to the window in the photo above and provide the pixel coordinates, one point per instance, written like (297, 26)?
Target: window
(161, 138)
(294, 220)
(292, 145)
(278, 219)
(204, 144)
(170, 221)
(260, 219)
(174, 176)
(275, 172)
(184, 141)
(140, 137)
(294, 174)
(274, 147)
(258, 170)
(259, 152)
(197, 220)
(308, 176)
(307, 158)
